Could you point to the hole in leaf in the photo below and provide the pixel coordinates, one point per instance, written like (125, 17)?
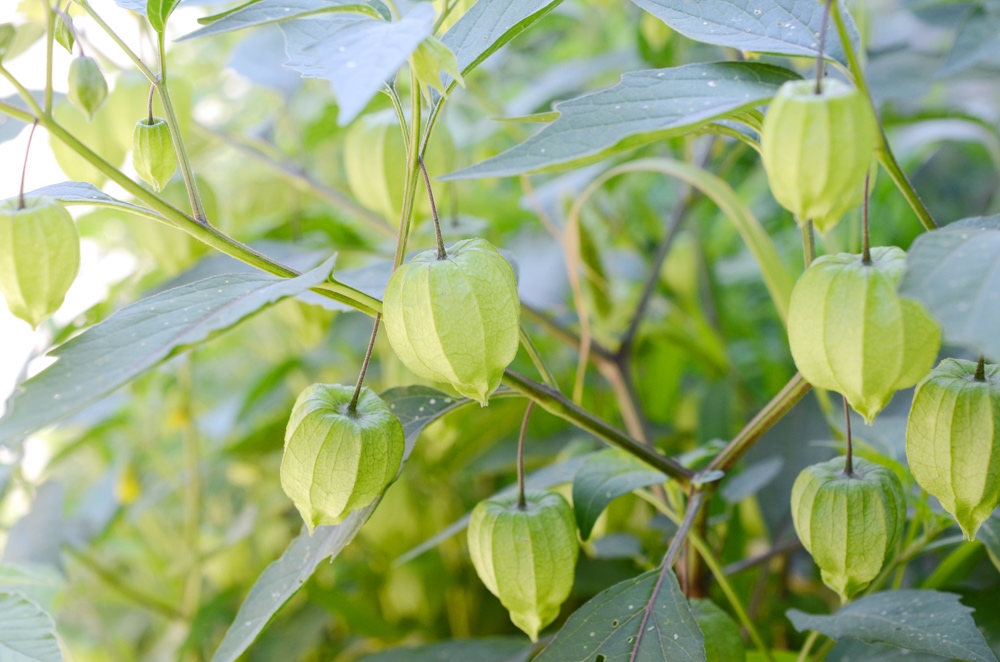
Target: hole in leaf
(599, 658)
(614, 623)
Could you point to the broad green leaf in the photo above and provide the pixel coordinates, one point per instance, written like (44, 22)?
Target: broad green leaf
(603, 477)
(266, 12)
(38, 583)
(496, 649)
(644, 107)
(922, 621)
(781, 27)
(158, 11)
(415, 406)
(989, 535)
(978, 40)
(955, 273)
(356, 54)
(82, 193)
(27, 634)
(7, 34)
(852, 650)
(643, 619)
(488, 25)
(544, 478)
(139, 337)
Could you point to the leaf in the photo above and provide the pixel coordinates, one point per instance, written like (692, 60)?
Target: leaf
(415, 406)
(138, 6)
(646, 619)
(38, 583)
(356, 54)
(603, 477)
(494, 649)
(989, 535)
(644, 107)
(488, 25)
(544, 478)
(955, 273)
(978, 40)
(82, 193)
(780, 27)
(158, 11)
(27, 634)
(266, 12)
(7, 34)
(139, 337)
(922, 621)
(64, 32)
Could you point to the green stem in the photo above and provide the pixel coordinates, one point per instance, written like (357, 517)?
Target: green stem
(50, 37)
(536, 358)
(15, 112)
(556, 403)
(136, 60)
(353, 407)
(412, 171)
(807, 646)
(981, 369)
(886, 157)
(23, 92)
(808, 243)
(521, 502)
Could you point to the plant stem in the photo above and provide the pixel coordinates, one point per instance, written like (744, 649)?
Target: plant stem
(16, 113)
(536, 358)
(822, 47)
(521, 503)
(849, 459)
(23, 92)
(807, 646)
(981, 369)
(352, 408)
(24, 168)
(773, 412)
(555, 403)
(110, 578)
(136, 60)
(412, 166)
(808, 243)
(50, 37)
(149, 105)
(442, 254)
(866, 251)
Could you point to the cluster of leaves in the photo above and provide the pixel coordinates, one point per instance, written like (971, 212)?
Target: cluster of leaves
(654, 269)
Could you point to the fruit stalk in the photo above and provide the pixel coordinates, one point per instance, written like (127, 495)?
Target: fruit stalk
(822, 46)
(521, 503)
(849, 457)
(352, 408)
(442, 254)
(24, 168)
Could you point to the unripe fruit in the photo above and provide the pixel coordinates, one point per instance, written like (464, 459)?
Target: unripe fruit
(849, 523)
(455, 320)
(953, 440)
(153, 152)
(850, 332)
(336, 460)
(816, 148)
(526, 557)
(723, 642)
(39, 257)
(87, 87)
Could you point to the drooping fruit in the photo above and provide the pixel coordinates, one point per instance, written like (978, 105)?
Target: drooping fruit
(849, 523)
(850, 331)
(953, 440)
(153, 152)
(723, 642)
(455, 320)
(87, 87)
(526, 557)
(39, 257)
(816, 148)
(336, 460)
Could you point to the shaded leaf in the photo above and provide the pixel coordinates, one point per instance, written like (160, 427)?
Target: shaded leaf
(27, 634)
(852, 650)
(266, 12)
(496, 649)
(603, 477)
(82, 193)
(978, 40)
(922, 621)
(645, 619)
(645, 106)
(415, 406)
(139, 337)
(356, 54)
(781, 27)
(989, 535)
(955, 272)
(158, 11)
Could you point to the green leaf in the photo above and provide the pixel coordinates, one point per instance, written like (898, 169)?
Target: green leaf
(356, 54)
(602, 478)
(645, 618)
(955, 273)
(27, 634)
(781, 27)
(922, 621)
(488, 25)
(82, 193)
(158, 11)
(989, 535)
(430, 60)
(7, 34)
(415, 406)
(266, 12)
(64, 32)
(644, 107)
(139, 337)
(978, 40)
(495, 649)
(138, 6)
(38, 583)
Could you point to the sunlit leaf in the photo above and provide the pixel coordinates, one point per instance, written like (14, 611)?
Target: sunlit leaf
(27, 634)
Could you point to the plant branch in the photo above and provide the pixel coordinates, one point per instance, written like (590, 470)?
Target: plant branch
(16, 113)
(536, 358)
(136, 60)
(50, 38)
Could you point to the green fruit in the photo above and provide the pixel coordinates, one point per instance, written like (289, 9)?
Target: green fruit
(723, 642)
(526, 557)
(153, 152)
(849, 523)
(87, 87)
(850, 332)
(816, 148)
(953, 440)
(39, 257)
(335, 460)
(455, 320)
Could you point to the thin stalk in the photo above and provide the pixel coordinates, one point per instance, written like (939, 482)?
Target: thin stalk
(521, 503)
(822, 47)
(50, 38)
(808, 243)
(981, 369)
(807, 646)
(866, 250)
(536, 358)
(412, 167)
(149, 106)
(24, 167)
(136, 60)
(16, 113)
(557, 404)
(442, 254)
(397, 104)
(352, 408)
(849, 459)
(23, 92)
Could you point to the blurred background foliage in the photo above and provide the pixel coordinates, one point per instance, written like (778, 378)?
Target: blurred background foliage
(141, 559)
